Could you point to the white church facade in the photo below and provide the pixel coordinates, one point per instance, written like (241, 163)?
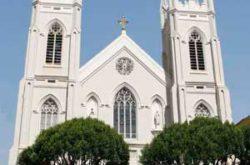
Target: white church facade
(122, 85)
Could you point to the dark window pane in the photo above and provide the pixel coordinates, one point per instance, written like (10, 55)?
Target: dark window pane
(127, 120)
(125, 106)
(116, 116)
(54, 44)
(196, 52)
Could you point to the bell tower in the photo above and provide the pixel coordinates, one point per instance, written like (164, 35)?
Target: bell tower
(47, 90)
(54, 39)
(193, 61)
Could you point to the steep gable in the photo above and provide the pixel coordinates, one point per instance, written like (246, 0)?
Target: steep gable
(122, 43)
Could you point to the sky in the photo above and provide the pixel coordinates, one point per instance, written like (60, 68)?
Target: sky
(100, 28)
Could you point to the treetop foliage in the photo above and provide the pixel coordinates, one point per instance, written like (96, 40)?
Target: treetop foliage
(245, 155)
(205, 140)
(85, 141)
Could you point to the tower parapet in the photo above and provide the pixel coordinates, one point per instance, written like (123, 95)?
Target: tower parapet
(61, 2)
(185, 6)
(191, 5)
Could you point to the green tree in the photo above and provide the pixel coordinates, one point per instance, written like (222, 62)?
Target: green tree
(213, 141)
(85, 141)
(168, 147)
(205, 140)
(28, 156)
(245, 156)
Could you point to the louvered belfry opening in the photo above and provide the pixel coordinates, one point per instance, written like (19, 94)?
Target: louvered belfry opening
(54, 44)
(197, 61)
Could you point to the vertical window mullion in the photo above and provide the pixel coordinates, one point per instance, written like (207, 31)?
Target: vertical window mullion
(54, 48)
(124, 116)
(130, 116)
(196, 55)
(127, 119)
(55, 118)
(134, 122)
(46, 118)
(119, 130)
(42, 127)
(116, 117)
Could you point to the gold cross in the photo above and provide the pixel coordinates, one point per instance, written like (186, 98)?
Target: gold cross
(123, 22)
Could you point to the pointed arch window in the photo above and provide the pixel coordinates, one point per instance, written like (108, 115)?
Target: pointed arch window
(125, 113)
(49, 114)
(54, 44)
(196, 51)
(202, 111)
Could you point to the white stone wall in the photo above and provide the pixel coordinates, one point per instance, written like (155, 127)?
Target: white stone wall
(106, 83)
(190, 87)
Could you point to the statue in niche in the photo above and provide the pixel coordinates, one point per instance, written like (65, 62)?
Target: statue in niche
(157, 120)
(92, 113)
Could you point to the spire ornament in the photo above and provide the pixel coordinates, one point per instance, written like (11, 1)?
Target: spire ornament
(123, 23)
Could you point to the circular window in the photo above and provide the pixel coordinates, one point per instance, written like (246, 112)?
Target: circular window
(124, 66)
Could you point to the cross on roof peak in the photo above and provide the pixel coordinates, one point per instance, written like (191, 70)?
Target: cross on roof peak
(123, 22)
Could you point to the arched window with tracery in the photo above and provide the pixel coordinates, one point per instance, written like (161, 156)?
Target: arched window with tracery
(49, 114)
(202, 111)
(196, 51)
(54, 44)
(125, 113)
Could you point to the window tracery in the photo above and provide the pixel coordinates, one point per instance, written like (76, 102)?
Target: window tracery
(124, 66)
(202, 111)
(49, 114)
(125, 113)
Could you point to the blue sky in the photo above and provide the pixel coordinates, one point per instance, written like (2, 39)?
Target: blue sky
(100, 28)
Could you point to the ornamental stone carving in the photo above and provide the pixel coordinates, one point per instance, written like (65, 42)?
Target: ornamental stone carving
(202, 111)
(124, 66)
(157, 120)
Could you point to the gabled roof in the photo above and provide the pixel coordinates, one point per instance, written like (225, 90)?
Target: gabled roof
(121, 43)
(244, 122)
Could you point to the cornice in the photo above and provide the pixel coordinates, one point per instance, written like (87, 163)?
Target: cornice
(34, 3)
(175, 10)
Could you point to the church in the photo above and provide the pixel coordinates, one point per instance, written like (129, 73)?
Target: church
(122, 85)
